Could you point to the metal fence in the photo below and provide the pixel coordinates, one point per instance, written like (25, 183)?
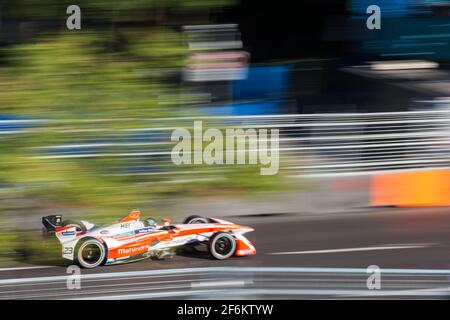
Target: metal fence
(310, 144)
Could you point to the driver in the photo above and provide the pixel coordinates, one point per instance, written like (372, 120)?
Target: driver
(151, 223)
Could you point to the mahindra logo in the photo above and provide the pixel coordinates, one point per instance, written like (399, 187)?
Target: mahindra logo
(132, 250)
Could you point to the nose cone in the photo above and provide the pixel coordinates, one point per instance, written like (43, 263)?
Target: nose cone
(246, 229)
(244, 246)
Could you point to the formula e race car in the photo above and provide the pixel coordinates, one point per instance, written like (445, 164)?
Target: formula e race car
(133, 239)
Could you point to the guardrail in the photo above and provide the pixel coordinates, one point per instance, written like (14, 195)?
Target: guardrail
(234, 283)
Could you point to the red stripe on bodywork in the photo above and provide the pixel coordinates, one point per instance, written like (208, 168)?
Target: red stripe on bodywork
(63, 228)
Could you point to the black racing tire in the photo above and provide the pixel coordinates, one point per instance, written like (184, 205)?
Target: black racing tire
(195, 219)
(90, 253)
(80, 227)
(222, 245)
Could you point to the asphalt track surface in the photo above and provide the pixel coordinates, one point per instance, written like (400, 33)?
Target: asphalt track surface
(297, 258)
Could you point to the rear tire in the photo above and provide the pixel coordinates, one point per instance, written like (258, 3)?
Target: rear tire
(90, 253)
(195, 219)
(222, 245)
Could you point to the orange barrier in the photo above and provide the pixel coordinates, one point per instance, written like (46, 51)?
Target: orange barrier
(426, 188)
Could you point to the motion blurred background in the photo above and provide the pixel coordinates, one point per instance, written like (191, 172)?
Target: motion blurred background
(86, 115)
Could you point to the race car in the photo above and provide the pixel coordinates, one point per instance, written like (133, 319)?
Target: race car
(133, 239)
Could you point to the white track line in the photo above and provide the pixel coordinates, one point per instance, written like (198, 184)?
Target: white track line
(372, 248)
(25, 268)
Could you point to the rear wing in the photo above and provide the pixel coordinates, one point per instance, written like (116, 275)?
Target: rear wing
(51, 223)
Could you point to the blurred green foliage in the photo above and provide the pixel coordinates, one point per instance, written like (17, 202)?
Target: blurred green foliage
(74, 79)
(74, 74)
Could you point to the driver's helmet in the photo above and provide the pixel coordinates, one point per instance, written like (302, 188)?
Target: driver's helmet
(150, 222)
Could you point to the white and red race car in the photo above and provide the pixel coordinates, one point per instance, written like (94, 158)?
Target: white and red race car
(133, 239)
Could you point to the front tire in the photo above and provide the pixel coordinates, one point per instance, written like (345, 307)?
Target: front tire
(222, 245)
(91, 253)
(195, 219)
